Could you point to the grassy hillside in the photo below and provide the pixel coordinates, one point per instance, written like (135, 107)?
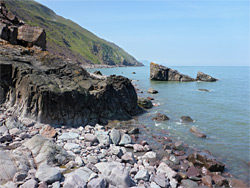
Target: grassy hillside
(66, 38)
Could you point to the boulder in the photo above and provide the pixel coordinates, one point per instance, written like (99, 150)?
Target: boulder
(188, 183)
(160, 117)
(204, 77)
(98, 73)
(197, 133)
(115, 174)
(203, 160)
(90, 138)
(152, 91)
(115, 136)
(48, 174)
(125, 139)
(220, 180)
(97, 183)
(45, 151)
(30, 184)
(186, 119)
(144, 103)
(54, 91)
(162, 73)
(48, 132)
(206, 90)
(170, 174)
(128, 157)
(207, 180)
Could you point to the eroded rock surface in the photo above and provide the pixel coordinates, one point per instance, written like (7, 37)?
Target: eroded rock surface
(52, 90)
(162, 73)
(15, 31)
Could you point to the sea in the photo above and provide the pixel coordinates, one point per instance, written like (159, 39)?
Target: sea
(223, 113)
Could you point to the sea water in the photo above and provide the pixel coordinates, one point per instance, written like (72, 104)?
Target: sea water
(222, 114)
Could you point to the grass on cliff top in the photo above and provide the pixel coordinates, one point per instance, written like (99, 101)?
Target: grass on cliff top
(66, 38)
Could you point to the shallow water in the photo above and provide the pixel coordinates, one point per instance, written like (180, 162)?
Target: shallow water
(222, 114)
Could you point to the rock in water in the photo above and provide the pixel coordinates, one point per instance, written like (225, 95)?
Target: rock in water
(152, 91)
(197, 133)
(144, 103)
(52, 90)
(186, 119)
(160, 117)
(162, 73)
(204, 77)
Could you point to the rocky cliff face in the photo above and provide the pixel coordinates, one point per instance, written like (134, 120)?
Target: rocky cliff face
(15, 31)
(52, 90)
(162, 73)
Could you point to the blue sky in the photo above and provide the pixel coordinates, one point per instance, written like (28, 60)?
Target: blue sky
(171, 32)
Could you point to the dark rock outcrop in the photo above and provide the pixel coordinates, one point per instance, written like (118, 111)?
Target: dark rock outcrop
(162, 73)
(56, 91)
(186, 119)
(160, 117)
(144, 103)
(204, 77)
(15, 31)
(205, 160)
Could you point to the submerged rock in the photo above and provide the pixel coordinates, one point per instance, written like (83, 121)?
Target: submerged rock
(162, 73)
(197, 133)
(204, 77)
(206, 90)
(186, 119)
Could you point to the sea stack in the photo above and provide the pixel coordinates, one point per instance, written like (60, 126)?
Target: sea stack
(162, 73)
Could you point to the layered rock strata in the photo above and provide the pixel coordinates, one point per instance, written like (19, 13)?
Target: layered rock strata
(52, 90)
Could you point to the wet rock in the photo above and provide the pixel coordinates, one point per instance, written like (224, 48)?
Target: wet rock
(179, 145)
(162, 73)
(134, 130)
(5, 138)
(150, 98)
(188, 183)
(128, 157)
(207, 180)
(98, 73)
(46, 152)
(142, 175)
(237, 183)
(48, 132)
(152, 91)
(30, 184)
(192, 172)
(206, 161)
(160, 117)
(220, 180)
(97, 183)
(186, 119)
(48, 174)
(144, 103)
(197, 133)
(206, 90)
(115, 136)
(133, 73)
(204, 77)
(126, 139)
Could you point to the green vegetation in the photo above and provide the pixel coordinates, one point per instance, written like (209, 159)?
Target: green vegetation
(68, 39)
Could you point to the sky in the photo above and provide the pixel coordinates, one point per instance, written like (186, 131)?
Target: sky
(170, 32)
